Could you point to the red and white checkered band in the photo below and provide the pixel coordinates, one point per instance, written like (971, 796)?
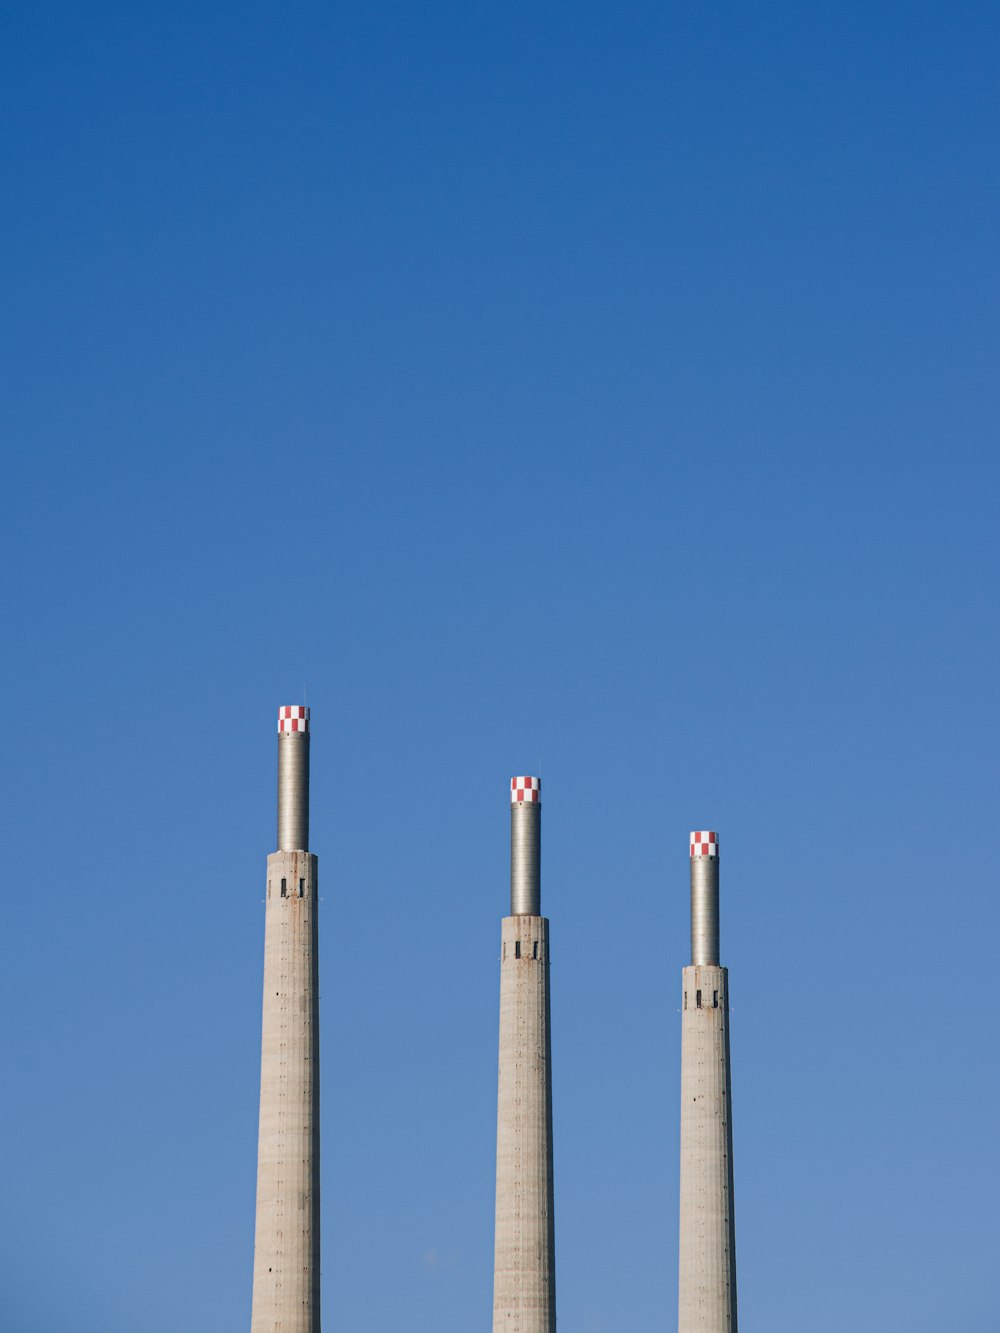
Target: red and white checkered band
(525, 789)
(704, 844)
(293, 717)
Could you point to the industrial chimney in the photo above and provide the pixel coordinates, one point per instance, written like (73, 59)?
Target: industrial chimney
(707, 1272)
(286, 1244)
(524, 1276)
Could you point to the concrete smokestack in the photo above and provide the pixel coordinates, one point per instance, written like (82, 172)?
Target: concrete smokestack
(524, 1276)
(286, 1271)
(707, 1269)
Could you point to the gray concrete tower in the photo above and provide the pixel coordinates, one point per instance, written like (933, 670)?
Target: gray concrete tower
(286, 1243)
(707, 1274)
(524, 1268)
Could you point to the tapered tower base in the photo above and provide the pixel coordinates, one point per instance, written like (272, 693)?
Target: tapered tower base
(524, 1295)
(707, 1271)
(286, 1246)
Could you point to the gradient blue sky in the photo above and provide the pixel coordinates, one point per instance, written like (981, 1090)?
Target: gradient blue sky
(604, 389)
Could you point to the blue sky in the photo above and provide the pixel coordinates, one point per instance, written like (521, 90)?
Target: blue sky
(605, 390)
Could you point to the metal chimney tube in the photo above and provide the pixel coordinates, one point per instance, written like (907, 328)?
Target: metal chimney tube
(293, 778)
(526, 847)
(704, 899)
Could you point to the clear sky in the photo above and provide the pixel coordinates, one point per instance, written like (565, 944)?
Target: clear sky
(602, 389)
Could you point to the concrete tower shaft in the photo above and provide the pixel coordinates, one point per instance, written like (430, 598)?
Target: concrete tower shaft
(524, 1285)
(286, 1278)
(707, 1261)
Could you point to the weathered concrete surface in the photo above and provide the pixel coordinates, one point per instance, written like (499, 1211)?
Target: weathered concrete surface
(286, 1275)
(707, 1274)
(524, 1282)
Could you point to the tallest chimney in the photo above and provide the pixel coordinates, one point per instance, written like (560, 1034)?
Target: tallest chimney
(707, 1270)
(286, 1240)
(524, 1273)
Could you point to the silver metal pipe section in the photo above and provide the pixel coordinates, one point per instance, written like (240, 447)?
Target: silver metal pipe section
(293, 791)
(705, 911)
(526, 859)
